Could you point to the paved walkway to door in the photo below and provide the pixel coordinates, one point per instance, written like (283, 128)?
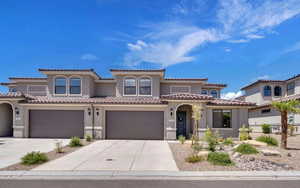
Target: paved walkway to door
(120, 155)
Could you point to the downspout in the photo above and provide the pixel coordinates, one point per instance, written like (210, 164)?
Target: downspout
(93, 121)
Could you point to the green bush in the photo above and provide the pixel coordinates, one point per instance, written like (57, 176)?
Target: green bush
(244, 133)
(88, 138)
(228, 141)
(266, 128)
(267, 139)
(219, 158)
(181, 139)
(196, 147)
(246, 149)
(212, 139)
(34, 158)
(194, 159)
(75, 142)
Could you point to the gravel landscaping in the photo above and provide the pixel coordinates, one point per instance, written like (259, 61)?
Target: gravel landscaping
(279, 160)
(52, 155)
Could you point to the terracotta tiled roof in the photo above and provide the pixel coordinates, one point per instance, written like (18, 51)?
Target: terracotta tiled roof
(137, 70)
(215, 85)
(262, 81)
(96, 100)
(11, 95)
(186, 96)
(187, 79)
(71, 70)
(24, 78)
(224, 102)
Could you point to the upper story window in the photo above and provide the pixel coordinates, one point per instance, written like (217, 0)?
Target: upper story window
(204, 92)
(130, 86)
(145, 86)
(214, 93)
(277, 91)
(75, 86)
(267, 91)
(60, 85)
(12, 89)
(290, 89)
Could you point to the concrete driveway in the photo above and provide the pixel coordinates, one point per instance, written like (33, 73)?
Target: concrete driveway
(117, 155)
(12, 149)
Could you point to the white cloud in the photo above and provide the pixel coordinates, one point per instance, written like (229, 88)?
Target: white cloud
(293, 48)
(231, 95)
(89, 57)
(227, 50)
(263, 77)
(237, 21)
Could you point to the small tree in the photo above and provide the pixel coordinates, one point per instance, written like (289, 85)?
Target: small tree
(284, 108)
(197, 115)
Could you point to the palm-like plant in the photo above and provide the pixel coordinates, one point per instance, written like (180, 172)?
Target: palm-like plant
(284, 108)
(196, 115)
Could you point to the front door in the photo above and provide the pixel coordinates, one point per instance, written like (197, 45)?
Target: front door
(181, 124)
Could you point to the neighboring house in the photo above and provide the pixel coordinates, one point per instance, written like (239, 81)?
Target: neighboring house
(134, 104)
(263, 92)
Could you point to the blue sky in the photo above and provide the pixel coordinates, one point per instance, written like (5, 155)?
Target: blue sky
(227, 41)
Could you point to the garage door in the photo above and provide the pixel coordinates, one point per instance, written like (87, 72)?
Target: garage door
(135, 125)
(56, 123)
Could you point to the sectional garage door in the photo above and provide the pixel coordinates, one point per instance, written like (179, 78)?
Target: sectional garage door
(56, 123)
(136, 125)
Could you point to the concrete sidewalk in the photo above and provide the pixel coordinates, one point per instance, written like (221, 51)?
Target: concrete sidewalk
(119, 155)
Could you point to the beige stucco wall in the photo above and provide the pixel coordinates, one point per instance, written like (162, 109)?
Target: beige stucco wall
(6, 119)
(105, 89)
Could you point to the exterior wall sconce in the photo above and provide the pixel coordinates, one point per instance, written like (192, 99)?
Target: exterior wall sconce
(17, 111)
(97, 111)
(89, 111)
(171, 112)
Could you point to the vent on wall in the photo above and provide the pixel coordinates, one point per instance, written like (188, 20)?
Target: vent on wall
(180, 89)
(36, 90)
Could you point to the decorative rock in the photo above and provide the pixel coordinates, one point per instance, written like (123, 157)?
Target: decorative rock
(267, 152)
(251, 159)
(236, 146)
(236, 155)
(255, 143)
(203, 154)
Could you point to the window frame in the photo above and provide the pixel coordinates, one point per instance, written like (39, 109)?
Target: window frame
(139, 87)
(206, 91)
(264, 91)
(287, 88)
(222, 110)
(136, 86)
(66, 85)
(279, 90)
(210, 93)
(70, 86)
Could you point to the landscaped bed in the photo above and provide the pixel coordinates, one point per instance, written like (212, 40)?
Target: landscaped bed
(52, 155)
(286, 160)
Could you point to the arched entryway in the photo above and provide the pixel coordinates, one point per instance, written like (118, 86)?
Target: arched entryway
(6, 120)
(184, 121)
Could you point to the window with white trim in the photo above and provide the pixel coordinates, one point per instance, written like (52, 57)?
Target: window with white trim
(277, 91)
(204, 92)
(130, 86)
(75, 86)
(60, 85)
(214, 93)
(290, 88)
(145, 86)
(267, 91)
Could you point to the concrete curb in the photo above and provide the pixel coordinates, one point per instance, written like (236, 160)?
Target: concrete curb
(257, 175)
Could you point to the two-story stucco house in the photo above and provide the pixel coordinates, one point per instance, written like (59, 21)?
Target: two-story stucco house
(133, 104)
(263, 92)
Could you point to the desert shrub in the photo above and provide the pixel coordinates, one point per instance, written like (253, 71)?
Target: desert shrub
(88, 138)
(267, 139)
(219, 158)
(196, 148)
(228, 141)
(246, 149)
(194, 158)
(75, 142)
(34, 158)
(292, 129)
(212, 139)
(266, 128)
(58, 147)
(181, 139)
(244, 133)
